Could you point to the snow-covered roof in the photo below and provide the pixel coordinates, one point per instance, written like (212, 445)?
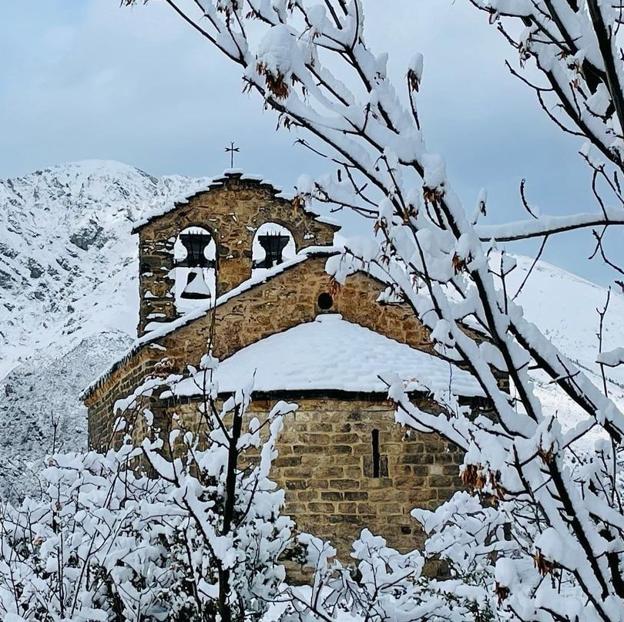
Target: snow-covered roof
(331, 354)
(161, 329)
(219, 182)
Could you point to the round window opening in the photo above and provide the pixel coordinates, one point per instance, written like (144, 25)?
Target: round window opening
(325, 301)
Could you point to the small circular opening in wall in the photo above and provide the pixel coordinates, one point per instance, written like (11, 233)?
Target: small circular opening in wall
(325, 301)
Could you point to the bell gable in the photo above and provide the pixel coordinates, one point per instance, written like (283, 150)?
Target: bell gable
(212, 241)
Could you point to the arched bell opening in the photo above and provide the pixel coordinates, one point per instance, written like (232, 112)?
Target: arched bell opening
(272, 245)
(194, 255)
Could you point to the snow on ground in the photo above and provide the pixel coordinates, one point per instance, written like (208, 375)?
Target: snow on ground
(564, 306)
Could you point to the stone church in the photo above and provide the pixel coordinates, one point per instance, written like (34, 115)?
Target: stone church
(245, 266)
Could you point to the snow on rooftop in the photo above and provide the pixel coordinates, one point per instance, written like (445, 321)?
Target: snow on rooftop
(333, 354)
(158, 330)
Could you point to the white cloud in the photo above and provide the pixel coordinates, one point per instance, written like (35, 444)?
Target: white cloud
(89, 79)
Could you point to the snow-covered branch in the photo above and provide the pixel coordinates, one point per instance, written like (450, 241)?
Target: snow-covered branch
(613, 358)
(576, 47)
(310, 63)
(198, 535)
(545, 226)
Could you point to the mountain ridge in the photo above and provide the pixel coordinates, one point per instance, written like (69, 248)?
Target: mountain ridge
(66, 230)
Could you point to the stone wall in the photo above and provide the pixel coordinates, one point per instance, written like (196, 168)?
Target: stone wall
(121, 383)
(326, 461)
(284, 301)
(232, 210)
(324, 466)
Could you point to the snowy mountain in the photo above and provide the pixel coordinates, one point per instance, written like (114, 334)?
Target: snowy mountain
(68, 291)
(67, 262)
(68, 299)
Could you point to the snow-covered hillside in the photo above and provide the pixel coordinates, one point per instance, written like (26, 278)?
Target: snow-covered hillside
(40, 411)
(67, 261)
(565, 308)
(68, 291)
(68, 297)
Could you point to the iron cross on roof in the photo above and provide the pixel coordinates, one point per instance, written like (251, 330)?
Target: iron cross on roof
(232, 150)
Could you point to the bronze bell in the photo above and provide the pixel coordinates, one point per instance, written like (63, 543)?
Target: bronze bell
(196, 287)
(195, 245)
(273, 245)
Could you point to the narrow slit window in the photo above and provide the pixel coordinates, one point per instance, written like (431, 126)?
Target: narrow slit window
(376, 454)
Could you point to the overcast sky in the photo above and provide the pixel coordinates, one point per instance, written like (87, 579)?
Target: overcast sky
(83, 79)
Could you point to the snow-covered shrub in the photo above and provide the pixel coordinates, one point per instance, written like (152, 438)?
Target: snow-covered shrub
(381, 585)
(201, 538)
(88, 549)
(505, 547)
(221, 482)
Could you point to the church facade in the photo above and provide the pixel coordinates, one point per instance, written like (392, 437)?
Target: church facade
(241, 267)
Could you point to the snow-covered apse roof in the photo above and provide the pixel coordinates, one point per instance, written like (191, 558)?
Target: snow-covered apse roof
(334, 355)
